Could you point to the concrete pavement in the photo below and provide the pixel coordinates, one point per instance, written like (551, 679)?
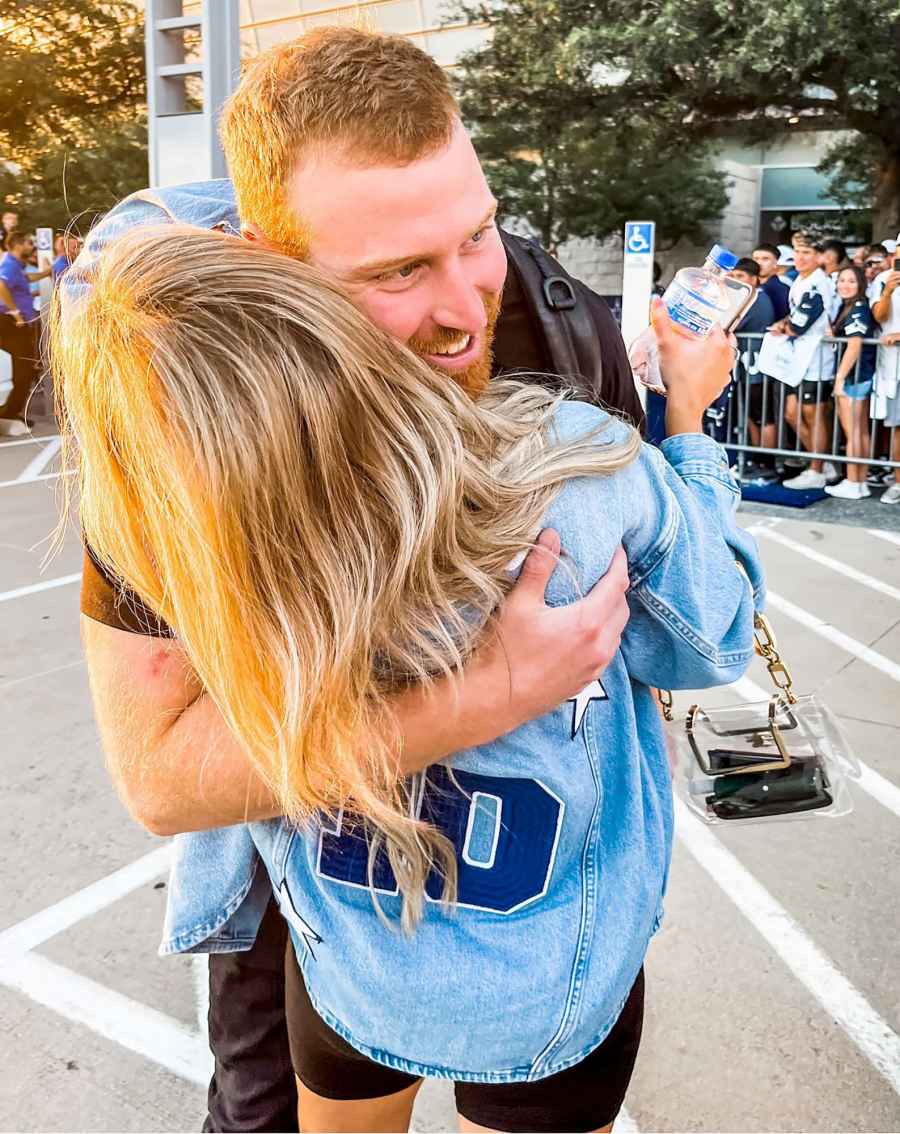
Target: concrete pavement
(773, 999)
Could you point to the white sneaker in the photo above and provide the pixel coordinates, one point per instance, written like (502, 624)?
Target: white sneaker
(891, 495)
(13, 427)
(830, 473)
(808, 479)
(848, 490)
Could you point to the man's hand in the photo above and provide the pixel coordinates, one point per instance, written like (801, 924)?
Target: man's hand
(890, 284)
(543, 655)
(892, 339)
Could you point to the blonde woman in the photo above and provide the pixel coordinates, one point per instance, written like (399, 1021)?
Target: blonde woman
(324, 521)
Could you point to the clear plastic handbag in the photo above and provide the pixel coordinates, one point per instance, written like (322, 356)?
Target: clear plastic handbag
(783, 758)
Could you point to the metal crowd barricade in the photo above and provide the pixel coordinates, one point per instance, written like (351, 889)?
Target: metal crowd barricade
(729, 420)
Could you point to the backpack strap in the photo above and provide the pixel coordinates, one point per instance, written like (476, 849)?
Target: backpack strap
(557, 305)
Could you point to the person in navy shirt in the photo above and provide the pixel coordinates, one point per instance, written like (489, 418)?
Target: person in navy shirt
(767, 257)
(853, 382)
(757, 319)
(18, 329)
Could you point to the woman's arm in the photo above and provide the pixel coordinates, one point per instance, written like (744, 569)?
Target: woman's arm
(691, 607)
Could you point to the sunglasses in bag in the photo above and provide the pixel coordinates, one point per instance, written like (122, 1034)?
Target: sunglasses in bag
(786, 757)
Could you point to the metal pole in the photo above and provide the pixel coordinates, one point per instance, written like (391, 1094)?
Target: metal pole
(183, 135)
(221, 31)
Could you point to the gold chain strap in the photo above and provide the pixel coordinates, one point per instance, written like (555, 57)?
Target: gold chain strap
(665, 700)
(766, 646)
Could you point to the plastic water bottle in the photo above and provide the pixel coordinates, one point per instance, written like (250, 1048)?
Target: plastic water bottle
(697, 300)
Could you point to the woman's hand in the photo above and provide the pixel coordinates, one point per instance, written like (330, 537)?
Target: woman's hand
(694, 371)
(893, 338)
(838, 387)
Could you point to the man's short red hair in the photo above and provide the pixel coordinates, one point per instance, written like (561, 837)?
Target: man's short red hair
(378, 97)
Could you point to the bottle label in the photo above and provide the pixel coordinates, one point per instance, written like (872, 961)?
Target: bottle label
(682, 308)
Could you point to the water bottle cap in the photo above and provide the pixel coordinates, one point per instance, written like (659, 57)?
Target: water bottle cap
(721, 256)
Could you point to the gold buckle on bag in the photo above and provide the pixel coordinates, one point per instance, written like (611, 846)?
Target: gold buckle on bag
(776, 704)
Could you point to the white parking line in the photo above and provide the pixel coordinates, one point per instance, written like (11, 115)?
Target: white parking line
(873, 784)
(40, 927)
(41, 673)
(865, 1028)
(35, 479)
(888, 536)
(625, 1124)
(838, 637)
(143, 1030)
(826, 561)
(39, 462)
(46, 585)
(200, 979)
(28, 441)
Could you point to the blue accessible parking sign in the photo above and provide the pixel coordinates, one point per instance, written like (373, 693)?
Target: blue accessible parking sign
(639, 236)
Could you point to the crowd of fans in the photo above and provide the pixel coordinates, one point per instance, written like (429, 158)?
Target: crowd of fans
(819, 364)
(20, 305)
(818, 367)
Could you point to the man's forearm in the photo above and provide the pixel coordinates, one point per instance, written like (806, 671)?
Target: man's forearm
(209, 780)
(453, 715)
(217, 786)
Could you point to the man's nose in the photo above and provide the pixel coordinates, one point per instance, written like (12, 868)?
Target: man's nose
(458, 303)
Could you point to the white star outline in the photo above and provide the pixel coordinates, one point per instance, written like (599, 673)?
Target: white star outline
(592, 692)
(300, 924)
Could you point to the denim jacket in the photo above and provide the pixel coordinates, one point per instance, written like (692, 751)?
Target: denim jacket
(563, 827)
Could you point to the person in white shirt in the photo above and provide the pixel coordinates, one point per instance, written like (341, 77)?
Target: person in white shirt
(886, 399)
(807, 409)
(873, 265)
(833, 257)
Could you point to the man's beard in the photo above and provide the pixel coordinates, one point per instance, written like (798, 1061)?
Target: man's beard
(475, 378)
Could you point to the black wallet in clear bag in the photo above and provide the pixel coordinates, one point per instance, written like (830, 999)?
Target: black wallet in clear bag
(786, 757)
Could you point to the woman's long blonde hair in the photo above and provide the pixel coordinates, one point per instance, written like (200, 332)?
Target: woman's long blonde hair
(321, 519)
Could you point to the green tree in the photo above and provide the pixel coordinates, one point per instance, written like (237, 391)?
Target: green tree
(758, 70)
(561, 155)
(72, 107)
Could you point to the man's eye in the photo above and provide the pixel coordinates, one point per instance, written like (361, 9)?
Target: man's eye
(482, 233)
(406, 271)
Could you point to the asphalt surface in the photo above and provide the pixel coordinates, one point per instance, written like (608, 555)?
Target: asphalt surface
(773, 989)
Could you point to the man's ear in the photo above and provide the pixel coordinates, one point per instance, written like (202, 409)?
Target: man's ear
(254, 234)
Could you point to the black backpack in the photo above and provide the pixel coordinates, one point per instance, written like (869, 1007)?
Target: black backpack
(578, 340)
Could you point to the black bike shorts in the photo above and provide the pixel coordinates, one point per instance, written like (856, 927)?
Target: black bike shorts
(585, 1097)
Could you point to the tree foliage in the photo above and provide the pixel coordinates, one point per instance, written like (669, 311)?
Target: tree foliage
(72, 107)
(759, 69)
(568, 162)
(678, 75)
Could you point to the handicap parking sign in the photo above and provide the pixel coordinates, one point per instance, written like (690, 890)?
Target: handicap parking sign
(639, 237)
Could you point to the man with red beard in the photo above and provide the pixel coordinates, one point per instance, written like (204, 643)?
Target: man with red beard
(345, 149)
